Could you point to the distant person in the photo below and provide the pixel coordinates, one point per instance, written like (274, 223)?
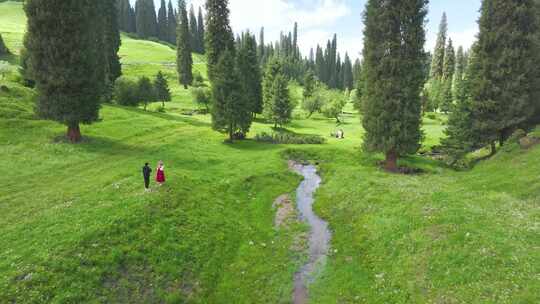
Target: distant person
(146, 174)
(160, 175)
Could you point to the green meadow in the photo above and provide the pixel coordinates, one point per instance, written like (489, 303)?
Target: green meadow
(77, 227)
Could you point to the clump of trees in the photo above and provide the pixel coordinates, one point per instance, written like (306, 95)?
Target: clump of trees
(143, 91)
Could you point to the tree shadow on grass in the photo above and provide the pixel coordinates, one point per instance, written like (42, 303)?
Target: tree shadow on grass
(105, 146)
(174, 118)
(251, 145)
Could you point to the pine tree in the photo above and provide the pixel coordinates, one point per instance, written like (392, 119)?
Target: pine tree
(229, 110)
(320, 64)
(132, 20)
(145, 91)
(459, 73)
(437, 64)
(124, 15)
(309, 85)
(171, 23)
(348, 78)
(250, 73)
(146, 18)
(200, 31)
(338, 73)
(296, 55)
(112, 41)
(218, 36)
(394, 59)
(161, 89)
(193, 31)
(163, 29)
(3, 48)
(261, 51)
(448, 77)
(184, 61)
(69, 73)
(504, 72)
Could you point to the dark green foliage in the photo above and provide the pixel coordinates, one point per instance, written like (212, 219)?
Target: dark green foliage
(230, 112)
(126, 92)
(24, 70)
(162, 23)
(504, 71)
(161, 89)
(250, 73)
(437, 64)
(277, 103)
(283, 137)
(171, 23)
(394, 61)
(145, 91)
(194, 31)
(200, 31)
(334, 104)
(459, 72)
(202, 96)
(309, 85)
(69, 73)
(448, 77)
(348, 77)
(146, 19)
(184, 61)
(3, 48)
(126, 16)
(112, 40)
(218, 35)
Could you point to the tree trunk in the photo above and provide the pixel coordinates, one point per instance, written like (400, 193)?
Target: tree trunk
(231, 135)
(391, 161)
(493, 149)
(74, 133)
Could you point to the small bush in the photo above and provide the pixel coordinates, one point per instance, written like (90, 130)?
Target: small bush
(126, 92)
(289, 138)
(202, 96)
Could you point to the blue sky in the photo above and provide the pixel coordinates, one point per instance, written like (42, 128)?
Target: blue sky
(319, 19)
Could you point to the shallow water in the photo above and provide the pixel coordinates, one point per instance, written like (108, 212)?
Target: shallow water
(319, 238)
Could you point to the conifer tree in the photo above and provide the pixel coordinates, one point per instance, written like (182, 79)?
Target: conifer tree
(69, 73)
(504, 72)
(146, 18)
(200, 31)
(394, 39)
(348, 78)
(171, 23)
(163, 29)
(193, 30)
(459, 73)
(124, 15)
(250, 73)
(145, 91)
(229, 110)
(338, 73)
(448, 77)
(161, 89)
(277, 104)
(309, 85)
(437, 64)
(218, 35)
(296, 55)
(184, 61)
(132, 20)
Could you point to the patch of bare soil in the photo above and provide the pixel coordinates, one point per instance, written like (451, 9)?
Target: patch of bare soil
(285, 210)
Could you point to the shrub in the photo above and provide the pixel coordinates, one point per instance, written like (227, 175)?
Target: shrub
(125, 92)
(202, 96)
(516, 136)
(198, 80)
(289, 138)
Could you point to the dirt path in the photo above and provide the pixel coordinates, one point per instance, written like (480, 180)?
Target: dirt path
(319, 238)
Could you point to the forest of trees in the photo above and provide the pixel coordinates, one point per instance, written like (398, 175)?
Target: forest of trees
(488, 92)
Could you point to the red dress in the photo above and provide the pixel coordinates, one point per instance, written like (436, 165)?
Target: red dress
(160, 176)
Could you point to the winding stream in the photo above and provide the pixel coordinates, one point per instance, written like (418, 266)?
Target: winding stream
(319, 238)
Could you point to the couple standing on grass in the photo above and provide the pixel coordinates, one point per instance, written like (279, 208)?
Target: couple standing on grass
(160, 175)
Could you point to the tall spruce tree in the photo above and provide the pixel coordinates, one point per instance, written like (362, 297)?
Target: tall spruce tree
(394, 59)
(348, 78)
(218, 36)
(194, 31)
(296, 54)
(504, 73)
(437, 64)
(146, 19)
(448, 77)
(200, 31)
(250, 73)
(459, 72)
(161, 89)
(172, 23)
(262, 47)
(69, 73)
(163, 27)
(229, 109)
(184, 61)
(124, 7)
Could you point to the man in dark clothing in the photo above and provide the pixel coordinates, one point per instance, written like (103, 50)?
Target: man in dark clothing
(146, 174)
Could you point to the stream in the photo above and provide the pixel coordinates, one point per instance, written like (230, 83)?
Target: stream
(319, 237)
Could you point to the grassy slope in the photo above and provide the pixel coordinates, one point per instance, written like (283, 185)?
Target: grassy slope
(76, 226)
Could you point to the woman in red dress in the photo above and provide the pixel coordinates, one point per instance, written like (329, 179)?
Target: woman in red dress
(160, 175)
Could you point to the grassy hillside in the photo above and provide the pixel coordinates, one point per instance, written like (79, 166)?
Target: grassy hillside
(77, 227)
